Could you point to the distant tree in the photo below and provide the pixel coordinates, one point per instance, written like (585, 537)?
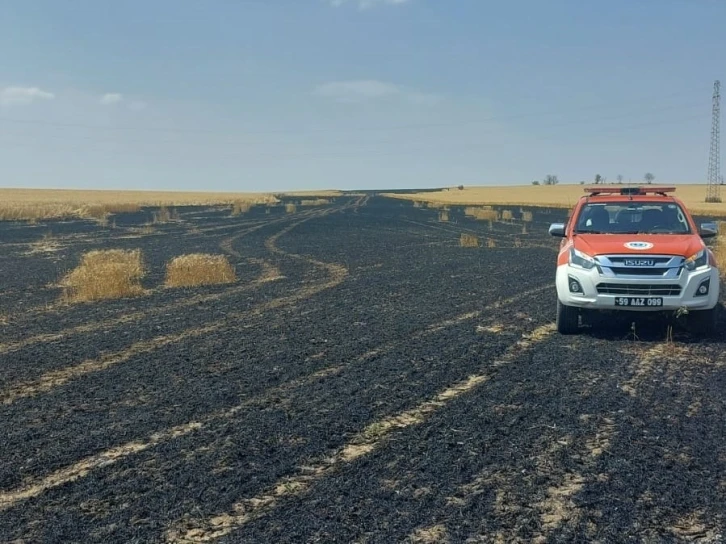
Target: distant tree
(620, 179)
(551, 180)
(460, 187)
(582, 183)
(598, 179)
(648, 178)
(535, 182)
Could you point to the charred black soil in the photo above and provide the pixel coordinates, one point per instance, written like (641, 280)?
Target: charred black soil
(366, 379)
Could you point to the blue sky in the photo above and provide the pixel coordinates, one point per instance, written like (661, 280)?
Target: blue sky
(258, 95)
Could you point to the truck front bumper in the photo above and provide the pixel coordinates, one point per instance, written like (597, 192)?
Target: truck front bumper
(590, 298)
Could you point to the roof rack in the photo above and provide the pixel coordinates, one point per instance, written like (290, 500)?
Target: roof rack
(629, 191)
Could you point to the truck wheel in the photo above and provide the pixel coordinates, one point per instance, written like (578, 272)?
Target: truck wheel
(567, 319)
(703, 322)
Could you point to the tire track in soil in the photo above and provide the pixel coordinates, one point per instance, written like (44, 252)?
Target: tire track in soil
(108, 457)
(227, 244)
(371, 438)
(557, 508)
(243, 223)
(567, 465)
(50, 380)
(664, 356)
(666, 363)
(268, 273)
(56, 308)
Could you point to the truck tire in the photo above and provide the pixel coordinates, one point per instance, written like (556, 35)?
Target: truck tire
(567, 319)
(703, 322)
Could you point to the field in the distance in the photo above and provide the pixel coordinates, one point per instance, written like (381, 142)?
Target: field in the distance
(40, 204)
(557, 196)
(143, 198)
(372, 372)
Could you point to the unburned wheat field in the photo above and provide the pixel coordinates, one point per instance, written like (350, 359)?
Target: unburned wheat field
(364, 378)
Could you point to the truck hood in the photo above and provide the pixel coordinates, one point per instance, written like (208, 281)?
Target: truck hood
(683, 245)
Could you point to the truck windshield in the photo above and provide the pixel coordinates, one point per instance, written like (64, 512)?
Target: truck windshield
(632, 218)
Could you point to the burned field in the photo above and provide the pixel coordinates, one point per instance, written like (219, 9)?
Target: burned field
(365, 379)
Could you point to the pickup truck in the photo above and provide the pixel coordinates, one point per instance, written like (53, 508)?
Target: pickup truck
(635, 249)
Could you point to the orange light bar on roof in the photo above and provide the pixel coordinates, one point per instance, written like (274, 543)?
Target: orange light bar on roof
(628, 191)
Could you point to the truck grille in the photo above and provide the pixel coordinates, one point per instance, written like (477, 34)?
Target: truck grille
(653, 272)
(654, 266)
(644, 289)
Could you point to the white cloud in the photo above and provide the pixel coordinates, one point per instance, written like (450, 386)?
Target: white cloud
(370, 89)
(111, 98)
(365, 4)
(10, 96)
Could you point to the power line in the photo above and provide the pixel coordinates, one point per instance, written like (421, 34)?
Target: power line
(412, 126)
(597, 119)
(475, 146)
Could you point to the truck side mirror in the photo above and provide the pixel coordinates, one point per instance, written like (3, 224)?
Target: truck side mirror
(557, 229)
(708, 230)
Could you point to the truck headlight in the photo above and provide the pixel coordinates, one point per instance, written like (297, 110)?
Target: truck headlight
(580, 259)
(697, 260)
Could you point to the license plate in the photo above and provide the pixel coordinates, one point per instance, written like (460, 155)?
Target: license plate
(639, 302)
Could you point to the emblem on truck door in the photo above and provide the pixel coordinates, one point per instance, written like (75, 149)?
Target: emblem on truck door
(638, 245)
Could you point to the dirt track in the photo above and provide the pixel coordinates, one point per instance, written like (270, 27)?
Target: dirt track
(366, 380)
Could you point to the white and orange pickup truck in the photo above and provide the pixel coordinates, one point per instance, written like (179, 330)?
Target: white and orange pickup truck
(635, 249)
